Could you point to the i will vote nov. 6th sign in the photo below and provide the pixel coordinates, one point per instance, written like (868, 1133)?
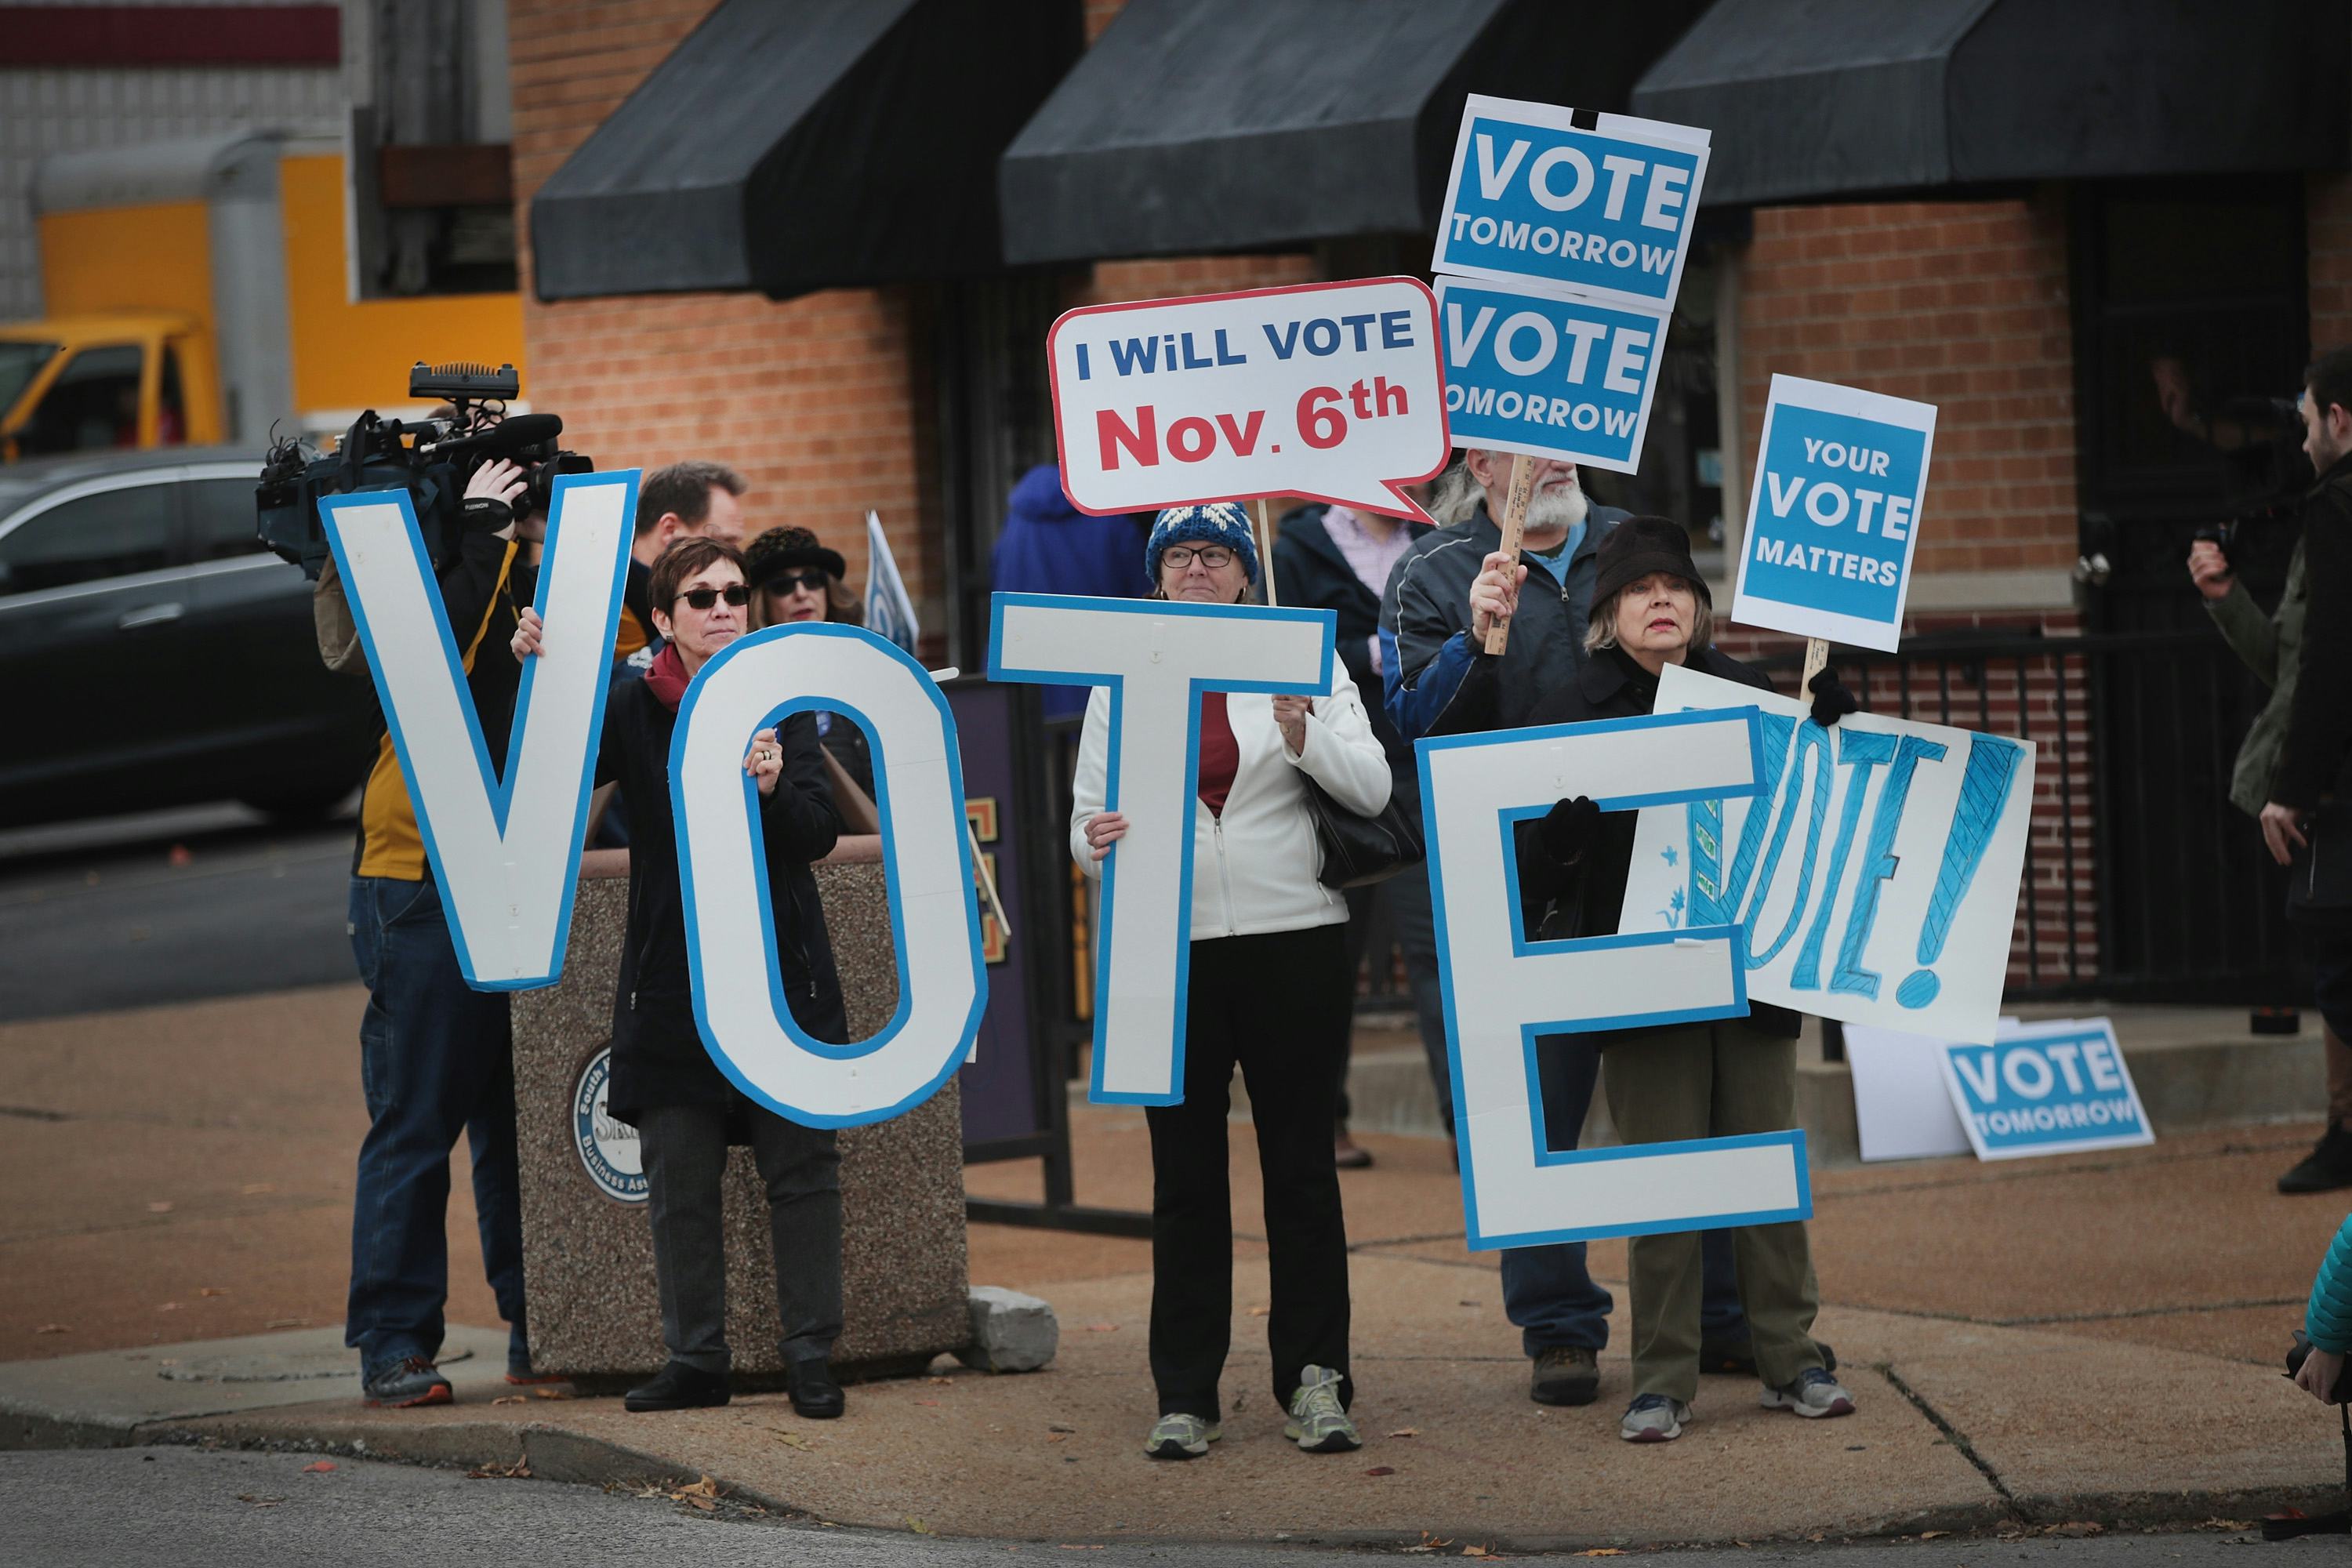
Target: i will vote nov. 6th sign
(1833, 514)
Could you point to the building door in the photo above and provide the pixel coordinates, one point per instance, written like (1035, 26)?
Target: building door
(2191, 332)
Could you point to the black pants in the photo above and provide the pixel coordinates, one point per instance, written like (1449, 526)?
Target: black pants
(1275, 1005)
(685, 1152)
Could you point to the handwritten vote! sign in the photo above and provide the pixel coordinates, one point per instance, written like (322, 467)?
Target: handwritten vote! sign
(1601, 205)
(1875, 873)
(1331, 390)
(1833, 516)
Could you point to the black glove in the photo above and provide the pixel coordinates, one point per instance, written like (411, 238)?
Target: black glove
(485, 514)
(1568, 829)
(1832, 700)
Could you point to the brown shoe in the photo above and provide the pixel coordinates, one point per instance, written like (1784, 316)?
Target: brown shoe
(1347, 1154)
(1565, 1374)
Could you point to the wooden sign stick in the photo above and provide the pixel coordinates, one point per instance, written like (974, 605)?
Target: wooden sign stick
(1515, 528)
(1817, 658)
(987, 880)
(1264, 532)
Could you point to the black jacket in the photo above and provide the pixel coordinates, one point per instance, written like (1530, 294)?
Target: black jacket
(1583, 899)
(657, 1053)
(1439, 683)
(2316, 758)
(1310, 571)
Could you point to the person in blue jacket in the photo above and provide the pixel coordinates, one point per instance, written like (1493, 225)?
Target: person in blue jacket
(2327, 1319)
(1049, 546)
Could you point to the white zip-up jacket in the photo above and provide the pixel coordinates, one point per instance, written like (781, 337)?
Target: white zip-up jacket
(1255, 869)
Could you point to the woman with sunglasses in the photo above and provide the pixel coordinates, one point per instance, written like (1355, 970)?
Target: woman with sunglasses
(663, 1081)
(793, 578)
(1267, 990)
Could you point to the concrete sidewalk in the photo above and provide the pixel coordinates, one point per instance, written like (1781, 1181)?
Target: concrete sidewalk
(2091, 1339)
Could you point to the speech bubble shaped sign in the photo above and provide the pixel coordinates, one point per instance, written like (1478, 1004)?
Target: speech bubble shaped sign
(1330, 391)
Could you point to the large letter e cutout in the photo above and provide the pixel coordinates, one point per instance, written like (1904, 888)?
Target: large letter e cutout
(1503, 992)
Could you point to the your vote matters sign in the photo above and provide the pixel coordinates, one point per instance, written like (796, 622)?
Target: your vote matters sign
(1833, 514)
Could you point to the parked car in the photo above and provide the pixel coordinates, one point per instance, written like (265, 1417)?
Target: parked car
(153, 653)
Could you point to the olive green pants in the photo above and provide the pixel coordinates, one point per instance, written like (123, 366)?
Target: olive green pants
(1710, 1080)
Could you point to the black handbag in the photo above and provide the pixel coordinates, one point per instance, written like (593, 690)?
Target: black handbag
(1359, 850)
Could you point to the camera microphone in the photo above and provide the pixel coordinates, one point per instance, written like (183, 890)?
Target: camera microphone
(508, 435)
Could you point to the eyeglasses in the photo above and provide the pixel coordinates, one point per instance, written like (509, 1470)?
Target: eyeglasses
(785, 581)
(1179, 556)
(704, 598)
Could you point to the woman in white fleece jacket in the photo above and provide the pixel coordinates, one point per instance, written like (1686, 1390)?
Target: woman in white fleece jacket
(1268, 992)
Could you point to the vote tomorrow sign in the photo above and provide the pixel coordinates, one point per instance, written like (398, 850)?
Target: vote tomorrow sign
(1833, 514)
(2046, 1088)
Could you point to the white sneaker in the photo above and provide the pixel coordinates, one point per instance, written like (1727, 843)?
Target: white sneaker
(1653, 1418)
(1317, 1421)
(1815, 1394)
(1180, 1437)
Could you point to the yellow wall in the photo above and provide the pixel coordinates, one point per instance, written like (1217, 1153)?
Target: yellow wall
(155, 258)
(356, 354)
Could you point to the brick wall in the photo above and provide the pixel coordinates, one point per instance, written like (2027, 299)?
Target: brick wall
(820, 402)
(1959, 304)
(2329, 215)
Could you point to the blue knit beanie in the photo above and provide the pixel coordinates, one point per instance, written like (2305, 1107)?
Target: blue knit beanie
(1220, 522)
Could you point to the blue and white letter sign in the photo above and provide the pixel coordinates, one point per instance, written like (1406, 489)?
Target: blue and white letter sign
(1504, 992)
(1547, 375)
(1833, 514)
(2047, 1089)
(1603, 211)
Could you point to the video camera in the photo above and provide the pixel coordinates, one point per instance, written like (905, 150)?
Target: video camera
(431, 458)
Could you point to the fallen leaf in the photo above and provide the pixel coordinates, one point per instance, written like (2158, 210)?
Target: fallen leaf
(510, 1399)
(1057, 1426)
(1600, 1552)
(551, 1394)
(178, 856)
(704, 1503)
(1469, 1303)
(705, 1486)
(171, 1306)
(1474, 1551)
(1261, 1311)
(318, 1466)
(259, 1501)
(255, 1189)
(52, 1328)
(1056, 1437)
(211, 1290)
(160, 1208)
(941, 1382)
(1102, 1328)
(287, 1323)
(2078, 1527)
(1382, 1471)
(518, 1471)
(918, 1526)
(1933, 1534)
(793, 1440)
(1406, 1432)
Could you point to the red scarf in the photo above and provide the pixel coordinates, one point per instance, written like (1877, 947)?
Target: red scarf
(668, 676)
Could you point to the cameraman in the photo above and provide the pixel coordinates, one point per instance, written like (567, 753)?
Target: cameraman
(435, 1059)
(2311, 782)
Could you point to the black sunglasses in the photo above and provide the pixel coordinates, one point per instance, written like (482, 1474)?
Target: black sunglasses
(785, 581)
(704, 598)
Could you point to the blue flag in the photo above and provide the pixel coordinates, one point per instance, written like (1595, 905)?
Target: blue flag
(890, 613)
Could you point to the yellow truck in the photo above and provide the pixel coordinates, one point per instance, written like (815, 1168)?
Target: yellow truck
(202, 290)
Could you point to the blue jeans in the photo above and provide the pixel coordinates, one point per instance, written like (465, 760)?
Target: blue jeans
(1547, 1291)
(436, 1062)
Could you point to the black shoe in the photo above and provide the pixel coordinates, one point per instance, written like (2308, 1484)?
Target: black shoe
(1565, 1374)
(2327, 1167)
(678, 1387)
(1737, 1358)
(406, 1383)
(815, 1397)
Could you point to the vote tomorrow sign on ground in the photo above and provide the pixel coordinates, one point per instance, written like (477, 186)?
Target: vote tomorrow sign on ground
(2046, 1088)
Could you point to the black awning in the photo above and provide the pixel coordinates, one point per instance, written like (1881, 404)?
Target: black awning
(1208, 125)
(1809, 99)
(792, 147)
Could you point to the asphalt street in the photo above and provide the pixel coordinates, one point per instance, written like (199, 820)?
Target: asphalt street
(169, 907)
(127, 1508)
